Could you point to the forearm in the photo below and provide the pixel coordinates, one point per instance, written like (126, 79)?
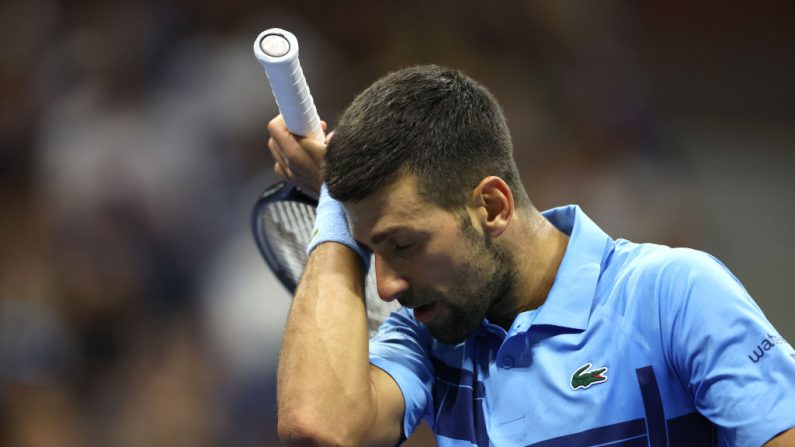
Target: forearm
(786, 439)
(324, 386)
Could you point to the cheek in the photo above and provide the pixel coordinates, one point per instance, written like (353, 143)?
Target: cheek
(433, 271)
(442, 268)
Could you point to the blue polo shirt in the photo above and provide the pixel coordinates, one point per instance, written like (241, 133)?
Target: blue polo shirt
(636, 344)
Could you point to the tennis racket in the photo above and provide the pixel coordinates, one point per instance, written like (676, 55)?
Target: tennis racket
(283, 218)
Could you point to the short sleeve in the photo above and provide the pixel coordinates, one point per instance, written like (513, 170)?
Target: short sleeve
(740, 371)
(401, 348)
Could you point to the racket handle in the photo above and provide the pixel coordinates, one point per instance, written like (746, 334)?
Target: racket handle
(277, 51)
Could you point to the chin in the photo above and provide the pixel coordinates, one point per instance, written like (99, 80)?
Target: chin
(450, 335)
(450, 340)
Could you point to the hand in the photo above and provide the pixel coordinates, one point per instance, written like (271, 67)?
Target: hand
(297, 158)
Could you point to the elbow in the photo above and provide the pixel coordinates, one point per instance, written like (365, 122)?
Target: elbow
(294, 433)
(300, 431)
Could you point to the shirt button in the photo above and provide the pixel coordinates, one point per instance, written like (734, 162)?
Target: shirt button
(507, 362)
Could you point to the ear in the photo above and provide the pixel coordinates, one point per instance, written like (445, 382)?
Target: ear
(493, 202)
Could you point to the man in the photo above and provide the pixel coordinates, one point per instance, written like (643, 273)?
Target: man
(518, 327)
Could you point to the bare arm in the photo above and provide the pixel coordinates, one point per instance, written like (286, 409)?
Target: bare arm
(786, 439)
(328, 393)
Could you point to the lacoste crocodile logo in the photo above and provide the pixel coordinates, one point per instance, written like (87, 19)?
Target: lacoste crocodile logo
(582, 378)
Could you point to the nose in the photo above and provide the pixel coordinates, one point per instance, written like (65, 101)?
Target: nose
(390, 285)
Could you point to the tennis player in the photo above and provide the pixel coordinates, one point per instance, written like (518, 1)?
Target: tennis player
(518, 327)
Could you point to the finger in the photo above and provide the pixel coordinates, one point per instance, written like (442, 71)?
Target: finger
(328, 137)
(281, 171)
(280, 133)
(276, 152)
(277, 125)
(323, 125)
(287, 144)
(299, 151)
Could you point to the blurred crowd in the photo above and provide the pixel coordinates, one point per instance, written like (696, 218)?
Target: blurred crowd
(134, 307)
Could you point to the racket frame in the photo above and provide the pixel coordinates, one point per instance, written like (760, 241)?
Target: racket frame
(278, 192)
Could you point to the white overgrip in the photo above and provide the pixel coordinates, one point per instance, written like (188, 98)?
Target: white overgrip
(277, 51)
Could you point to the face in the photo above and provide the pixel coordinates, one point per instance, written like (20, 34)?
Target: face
(431, 260)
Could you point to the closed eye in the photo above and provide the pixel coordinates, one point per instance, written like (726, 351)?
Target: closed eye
(399, 247)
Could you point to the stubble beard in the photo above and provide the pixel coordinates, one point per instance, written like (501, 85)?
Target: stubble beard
(478, 287)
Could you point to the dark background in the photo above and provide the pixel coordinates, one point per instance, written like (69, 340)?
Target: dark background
(134, 308)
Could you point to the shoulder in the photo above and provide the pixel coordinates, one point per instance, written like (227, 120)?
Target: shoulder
(691, 298)
(401, 320)
(656, 258)
(401, 330)
(672, 271)
(663, 287)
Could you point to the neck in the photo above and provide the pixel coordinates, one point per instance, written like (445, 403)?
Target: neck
(537, 248)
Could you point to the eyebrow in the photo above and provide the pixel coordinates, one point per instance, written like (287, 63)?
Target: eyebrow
(389, 231)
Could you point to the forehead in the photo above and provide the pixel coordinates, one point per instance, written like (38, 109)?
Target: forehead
(398, 205)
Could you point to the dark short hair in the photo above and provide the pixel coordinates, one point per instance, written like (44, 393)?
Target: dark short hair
(430, 121)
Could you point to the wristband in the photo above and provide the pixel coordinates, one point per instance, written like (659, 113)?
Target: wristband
(331, 225)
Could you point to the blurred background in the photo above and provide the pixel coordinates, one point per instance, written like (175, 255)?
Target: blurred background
(134, 307)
